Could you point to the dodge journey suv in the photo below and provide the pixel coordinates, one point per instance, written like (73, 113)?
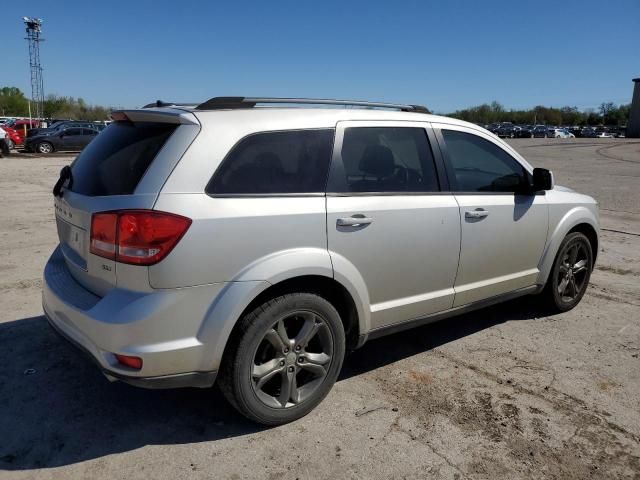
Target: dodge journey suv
(251, 242)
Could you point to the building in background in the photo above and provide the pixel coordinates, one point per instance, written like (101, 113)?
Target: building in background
(633, 127)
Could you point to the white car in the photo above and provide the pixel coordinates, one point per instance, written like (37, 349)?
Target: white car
(561, 133)
(604, 135)
(256, 244)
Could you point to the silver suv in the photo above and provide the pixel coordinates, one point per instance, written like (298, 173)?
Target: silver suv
(258, 244)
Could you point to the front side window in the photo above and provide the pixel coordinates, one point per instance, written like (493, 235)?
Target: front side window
(274, 163)
(481, 166)
(73, 131)
(388, 159)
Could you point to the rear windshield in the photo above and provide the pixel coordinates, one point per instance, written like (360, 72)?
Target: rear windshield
(115, 161)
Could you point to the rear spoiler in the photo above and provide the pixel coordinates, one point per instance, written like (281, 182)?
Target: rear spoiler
(160, 115)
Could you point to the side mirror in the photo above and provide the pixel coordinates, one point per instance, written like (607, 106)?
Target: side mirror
(542, 179)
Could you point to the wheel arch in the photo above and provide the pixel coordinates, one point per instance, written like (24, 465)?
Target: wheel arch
(578, 219)
(590, 232)
(326, 287)
(305, 269)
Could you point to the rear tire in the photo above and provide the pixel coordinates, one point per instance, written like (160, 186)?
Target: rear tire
(283, 358)
(569, 277)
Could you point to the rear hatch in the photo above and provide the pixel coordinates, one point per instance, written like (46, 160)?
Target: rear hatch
(123, 168)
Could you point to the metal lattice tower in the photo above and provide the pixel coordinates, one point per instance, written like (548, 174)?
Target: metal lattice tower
(34, 29)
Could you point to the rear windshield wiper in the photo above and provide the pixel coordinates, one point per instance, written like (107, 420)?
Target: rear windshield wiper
(65, 174)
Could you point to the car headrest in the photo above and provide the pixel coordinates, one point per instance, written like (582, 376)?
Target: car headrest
(377, 160)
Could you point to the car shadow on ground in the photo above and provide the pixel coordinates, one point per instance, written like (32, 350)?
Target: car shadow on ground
(57, 409)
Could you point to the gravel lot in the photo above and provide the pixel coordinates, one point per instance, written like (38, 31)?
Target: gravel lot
(505, 392)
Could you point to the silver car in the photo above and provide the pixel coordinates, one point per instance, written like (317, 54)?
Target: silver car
(255, 243)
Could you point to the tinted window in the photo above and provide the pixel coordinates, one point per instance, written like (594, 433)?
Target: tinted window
(89, 131)
(388, 159)
(73, 131)
(482, 166)
(276, 162)
(115, 161)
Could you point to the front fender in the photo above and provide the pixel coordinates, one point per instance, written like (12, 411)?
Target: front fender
(575, 216)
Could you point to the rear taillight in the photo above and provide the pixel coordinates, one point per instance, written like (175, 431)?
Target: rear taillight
(103, 234)
(138, 237)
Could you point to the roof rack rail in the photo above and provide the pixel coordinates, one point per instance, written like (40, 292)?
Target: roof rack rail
(160, 103)
(219, 103)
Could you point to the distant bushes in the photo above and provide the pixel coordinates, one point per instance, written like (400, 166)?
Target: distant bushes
(13, 103)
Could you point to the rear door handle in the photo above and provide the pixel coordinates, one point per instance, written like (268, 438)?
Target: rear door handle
(354, 221)
(479, 213)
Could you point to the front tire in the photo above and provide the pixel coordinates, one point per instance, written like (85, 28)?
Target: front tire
(283, 358)
(570, 273)
(44, 147)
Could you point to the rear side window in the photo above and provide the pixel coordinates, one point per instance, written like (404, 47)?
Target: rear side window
(287, 162)
(115, 161)
(388, 159)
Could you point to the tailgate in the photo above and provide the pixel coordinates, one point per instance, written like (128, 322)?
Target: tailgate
(123, 168)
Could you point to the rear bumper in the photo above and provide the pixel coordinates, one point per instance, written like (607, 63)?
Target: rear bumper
(160, 326)
(191, 379)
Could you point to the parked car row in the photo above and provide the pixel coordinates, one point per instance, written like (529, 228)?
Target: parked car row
(60, 135)
(509, 130)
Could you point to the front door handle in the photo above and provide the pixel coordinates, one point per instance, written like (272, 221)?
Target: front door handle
(479, 213)
(355, 221)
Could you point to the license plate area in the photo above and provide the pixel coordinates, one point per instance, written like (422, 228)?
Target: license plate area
(73, 238)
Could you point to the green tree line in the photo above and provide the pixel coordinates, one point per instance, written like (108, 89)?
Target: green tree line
(606, 114)
(13, 103)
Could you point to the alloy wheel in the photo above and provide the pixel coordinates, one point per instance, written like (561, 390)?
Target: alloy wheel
(45, 148)
(292, 359)
(573, 272)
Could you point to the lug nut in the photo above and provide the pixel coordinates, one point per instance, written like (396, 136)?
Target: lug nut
(291, 369)
(301, 360)
(282, 363)
(298, 347)
(286, 350)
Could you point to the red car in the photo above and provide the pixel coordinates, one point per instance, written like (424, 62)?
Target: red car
(22, 126)
(14, 137)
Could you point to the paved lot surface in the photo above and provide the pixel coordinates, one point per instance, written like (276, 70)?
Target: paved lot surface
(505, 392)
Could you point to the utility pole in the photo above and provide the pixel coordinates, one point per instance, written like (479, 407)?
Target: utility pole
(34, 29)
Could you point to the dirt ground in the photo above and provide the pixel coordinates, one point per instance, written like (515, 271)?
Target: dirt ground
(505, 392)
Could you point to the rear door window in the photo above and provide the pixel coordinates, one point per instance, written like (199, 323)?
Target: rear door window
(273, 163)
(115, 161)
(387, 160)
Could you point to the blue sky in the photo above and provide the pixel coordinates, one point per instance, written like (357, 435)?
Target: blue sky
(445, 55)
